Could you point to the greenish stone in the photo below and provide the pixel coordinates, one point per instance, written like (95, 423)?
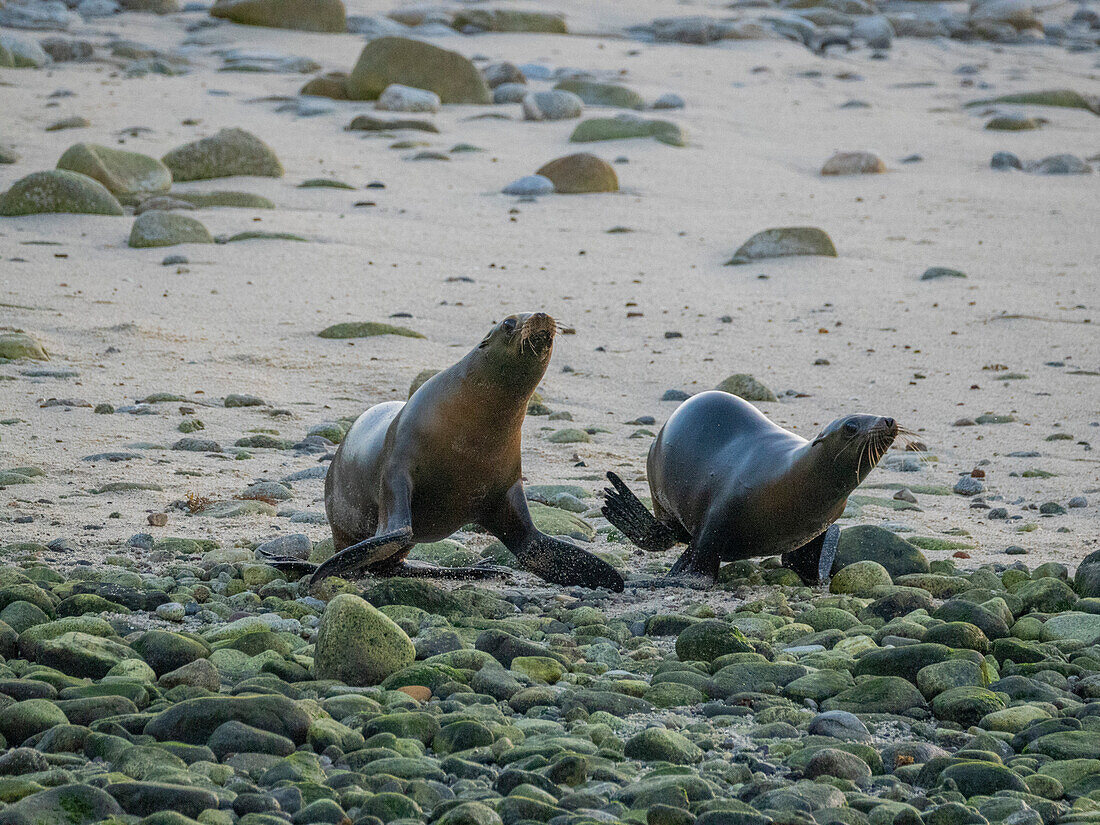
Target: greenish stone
(570, 435)
(936, 678)
(58, 190)
(966, 705)
(866, 542)
(194, 720)
(707, 640)
(359, 645)
(1062, 98)
(123, 173)
(388, 60)
(595, 93)
(860, 578)
(300, 15)
(229, 153)
(21, 720)
(623, 127)
(1063, 745)
(557, 522)
(745, 386)
(160, 228)
(660, 744)
(511, 20)
(366, 329)
(784, 242)
(460, 736)
(982, 778)
(69, 804)
(14, 346)
(239, 200)
(877, 694)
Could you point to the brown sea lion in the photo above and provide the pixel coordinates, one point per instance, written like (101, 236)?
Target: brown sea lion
(416, 471)
(733, 485)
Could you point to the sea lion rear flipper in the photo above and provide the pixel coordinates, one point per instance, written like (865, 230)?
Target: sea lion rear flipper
(559, 562)
(813, 561)
(627, 513)
(363, 554)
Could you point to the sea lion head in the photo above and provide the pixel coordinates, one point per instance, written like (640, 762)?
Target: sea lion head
(518, 348)
(850, 447)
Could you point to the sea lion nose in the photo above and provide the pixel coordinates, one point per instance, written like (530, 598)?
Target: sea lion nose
(889, 423)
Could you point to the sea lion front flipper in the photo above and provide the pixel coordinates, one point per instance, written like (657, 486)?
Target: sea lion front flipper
(289, 563)
(364, 553)
(813, 561)
(560, 562)
(627, 513)
(422, 569)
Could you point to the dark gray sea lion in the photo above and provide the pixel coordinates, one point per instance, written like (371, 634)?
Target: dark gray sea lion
(733, 485)
(416, 471)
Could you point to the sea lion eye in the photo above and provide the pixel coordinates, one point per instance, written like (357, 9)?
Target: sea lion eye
(851, 427)
(509, 324)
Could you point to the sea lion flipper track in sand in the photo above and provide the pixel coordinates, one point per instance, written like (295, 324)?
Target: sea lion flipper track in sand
(739, 486)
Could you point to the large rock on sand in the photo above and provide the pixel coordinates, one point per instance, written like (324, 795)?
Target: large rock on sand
(511, 20)
(783, 242)
(302, 15)
(581, 173)
(421, 65)
(123, 173)
(230, 152)
(358, 644)
(58, 190)
(160, 228)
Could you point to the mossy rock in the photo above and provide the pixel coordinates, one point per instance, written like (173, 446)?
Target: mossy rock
(860, 578)
(158, 228)
(661, 745)
(624, 127)
(68, 804)
(556, 522)
(982, 778)
(58, 190)
(877, 694)
(229, 153)
(388, 60)
(359, 645)
(300, 15)
(122, 173)
(1062, 98)
(366, 329)
(17, 345)
(420, 380)
(784, 242)
(745, 386)
(512, 20)
(966, 705)
(581, 173)
(595, 93)
(868, 542)
(237, 200)
(705, 641)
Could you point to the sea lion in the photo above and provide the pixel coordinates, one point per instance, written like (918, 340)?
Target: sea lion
(733, 485)
(416, 471)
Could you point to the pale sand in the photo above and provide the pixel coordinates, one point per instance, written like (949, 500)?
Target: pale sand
(244, 317)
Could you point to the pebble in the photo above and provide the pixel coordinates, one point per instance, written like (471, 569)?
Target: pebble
(530, 186)
(398, 98)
